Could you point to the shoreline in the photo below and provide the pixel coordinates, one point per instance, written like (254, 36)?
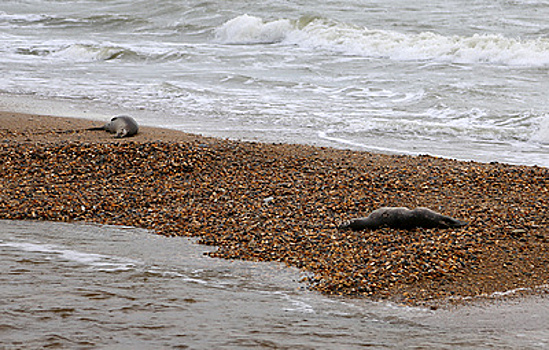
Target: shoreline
(283, 202)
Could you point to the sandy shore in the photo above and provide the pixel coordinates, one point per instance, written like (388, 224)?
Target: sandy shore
(283, 203)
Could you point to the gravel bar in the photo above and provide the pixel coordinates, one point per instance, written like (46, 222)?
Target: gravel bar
(280, 202)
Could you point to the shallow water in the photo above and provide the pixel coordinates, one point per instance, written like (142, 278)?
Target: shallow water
(465, 80)
(87, 286)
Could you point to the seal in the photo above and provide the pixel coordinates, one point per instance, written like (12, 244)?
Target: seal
(402, 218)
(121, 126)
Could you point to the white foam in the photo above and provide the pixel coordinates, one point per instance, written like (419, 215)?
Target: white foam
(355, 40)
(98, 261)
(542, 134)
(509, 292)
(299, 306)
(486, 48)
(324, 135)
(23, 17)
(88, 52)
(247, 29)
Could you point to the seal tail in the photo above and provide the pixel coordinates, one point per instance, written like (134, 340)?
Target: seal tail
(96, 128)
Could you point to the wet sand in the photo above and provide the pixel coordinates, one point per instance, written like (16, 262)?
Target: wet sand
(278, 202)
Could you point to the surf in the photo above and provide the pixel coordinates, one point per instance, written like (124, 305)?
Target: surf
(343, 38)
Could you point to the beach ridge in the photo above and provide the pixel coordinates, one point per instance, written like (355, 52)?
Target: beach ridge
(282, 202)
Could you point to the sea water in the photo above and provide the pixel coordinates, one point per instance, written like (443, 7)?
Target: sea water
(459, 79)
(76, 286)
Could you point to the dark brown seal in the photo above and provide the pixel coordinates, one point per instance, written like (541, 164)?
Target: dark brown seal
(402, 218)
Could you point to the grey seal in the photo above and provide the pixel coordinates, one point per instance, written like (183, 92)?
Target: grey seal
(402, 218)
(121, 126)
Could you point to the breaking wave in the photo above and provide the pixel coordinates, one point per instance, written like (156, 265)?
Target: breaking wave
(247, 29)
(89, 52)
(323, 34)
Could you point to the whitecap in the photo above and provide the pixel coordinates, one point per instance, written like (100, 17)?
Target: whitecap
(90, 52)
(348, 39)
(479, 48)
(247, 29)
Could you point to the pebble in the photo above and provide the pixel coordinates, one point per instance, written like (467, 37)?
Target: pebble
(283, 203)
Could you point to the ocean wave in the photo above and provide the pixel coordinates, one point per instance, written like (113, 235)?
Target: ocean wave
(447, 124)
(92, 52)
(38, 20)
(89, 52)
(324, 34)
(537, 3)
(247, 29)
(23, 18)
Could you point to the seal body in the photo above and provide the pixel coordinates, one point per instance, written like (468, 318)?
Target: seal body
(121, 126)
(402, 218)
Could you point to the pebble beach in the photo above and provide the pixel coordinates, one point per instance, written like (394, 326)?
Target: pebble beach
(283, 202)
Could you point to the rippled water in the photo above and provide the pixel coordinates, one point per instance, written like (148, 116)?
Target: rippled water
(87, 287)
(460, 79)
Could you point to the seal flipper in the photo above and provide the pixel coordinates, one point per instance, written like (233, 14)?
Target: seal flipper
(453, 223)
(97, 128)
(121, 133)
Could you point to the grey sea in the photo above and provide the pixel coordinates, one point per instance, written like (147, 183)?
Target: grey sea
(452, 78)
(74, 286)
(458, 79)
